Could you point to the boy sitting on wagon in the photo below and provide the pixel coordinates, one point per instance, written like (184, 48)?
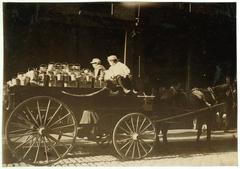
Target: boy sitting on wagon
(118, 74)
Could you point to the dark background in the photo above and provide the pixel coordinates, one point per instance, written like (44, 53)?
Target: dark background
(177, 42)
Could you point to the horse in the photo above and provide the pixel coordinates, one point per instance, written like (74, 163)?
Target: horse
(189, 101)
(225, 94)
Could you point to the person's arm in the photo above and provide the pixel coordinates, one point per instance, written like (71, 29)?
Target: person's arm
(126, 70)
(101, 74)
(108, 75)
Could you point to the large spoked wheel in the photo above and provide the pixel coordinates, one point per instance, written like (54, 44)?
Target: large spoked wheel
(134, 136)
(41, 130)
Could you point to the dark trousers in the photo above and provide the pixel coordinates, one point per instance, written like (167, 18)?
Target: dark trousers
(125, 83)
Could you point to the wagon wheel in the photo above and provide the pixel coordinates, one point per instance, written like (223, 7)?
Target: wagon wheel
(41, 130)
(134, 136)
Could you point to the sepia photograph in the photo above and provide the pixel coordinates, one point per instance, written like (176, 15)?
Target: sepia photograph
(119, 84)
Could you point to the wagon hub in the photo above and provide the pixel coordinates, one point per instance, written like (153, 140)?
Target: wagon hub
(135, 136)
(41, 130)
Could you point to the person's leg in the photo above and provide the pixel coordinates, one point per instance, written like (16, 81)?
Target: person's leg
(124, 83)
(111, 85)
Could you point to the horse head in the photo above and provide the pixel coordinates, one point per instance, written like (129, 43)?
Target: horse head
(222, 92)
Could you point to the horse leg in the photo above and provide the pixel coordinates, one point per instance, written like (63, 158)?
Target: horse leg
(164, 132)
(209, 129)
(199, 129)
(157, 134)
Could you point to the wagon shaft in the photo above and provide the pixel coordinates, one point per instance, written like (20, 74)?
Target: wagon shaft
(189, 113)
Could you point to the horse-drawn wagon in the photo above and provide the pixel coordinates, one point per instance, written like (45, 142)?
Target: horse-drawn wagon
(45, 121)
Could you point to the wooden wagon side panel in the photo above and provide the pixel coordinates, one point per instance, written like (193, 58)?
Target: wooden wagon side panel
(110, 108)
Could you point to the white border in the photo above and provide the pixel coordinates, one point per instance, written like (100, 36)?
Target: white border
(61, 1)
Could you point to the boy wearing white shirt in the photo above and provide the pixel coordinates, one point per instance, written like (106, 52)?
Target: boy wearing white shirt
(118, 73)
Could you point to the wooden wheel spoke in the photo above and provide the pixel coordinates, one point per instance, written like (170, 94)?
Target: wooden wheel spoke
(39, 144)
(26, 141)
(57, 141)
(61, 134)
(145, 128)
(150, 135)
(143, 147)
(54, 114)
(126, 153)
(17, 131)
(132, 124)
(139, 153)
(123, 135)
(59, 120)
(142, 124)
(39, 113)
(54, 149)
(142, 141)
(20, 125)
(124, 140)
(123, 129)
(21, 118)
(46, 114)
(28, 118)
(133, 152)
(22, 135)
(125, 145)
(29, 111)
(129, 128)
(61, 127)
(30, 148)
(19, 137)
(137, 124)
(45, 148)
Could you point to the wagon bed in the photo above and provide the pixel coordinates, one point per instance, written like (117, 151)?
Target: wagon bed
(41, 119)
(43, 122)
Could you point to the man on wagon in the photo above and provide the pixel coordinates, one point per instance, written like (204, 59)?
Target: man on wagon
(118, 74)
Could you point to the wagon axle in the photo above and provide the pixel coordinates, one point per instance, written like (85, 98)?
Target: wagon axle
(42, 131)
(135, 136)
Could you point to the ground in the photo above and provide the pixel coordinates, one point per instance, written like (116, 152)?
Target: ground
(181, 150)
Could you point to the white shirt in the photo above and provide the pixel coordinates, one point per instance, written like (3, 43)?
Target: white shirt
(118, 69)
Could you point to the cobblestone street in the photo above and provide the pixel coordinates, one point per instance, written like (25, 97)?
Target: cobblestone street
(181, 150)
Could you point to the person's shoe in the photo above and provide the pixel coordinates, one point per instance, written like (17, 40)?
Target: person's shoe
(126, 91)
(113, 93)
(208, 104)
(135, 92)
(141, 94)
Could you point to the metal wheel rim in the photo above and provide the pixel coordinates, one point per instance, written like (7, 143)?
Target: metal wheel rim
(134, 136)
(44, 135)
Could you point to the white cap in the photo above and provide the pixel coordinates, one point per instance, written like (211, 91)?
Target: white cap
(95, 60)
(112, 57)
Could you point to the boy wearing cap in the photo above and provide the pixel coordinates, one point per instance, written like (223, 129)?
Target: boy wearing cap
(98, 69)
(90, 116)
(118, 72)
